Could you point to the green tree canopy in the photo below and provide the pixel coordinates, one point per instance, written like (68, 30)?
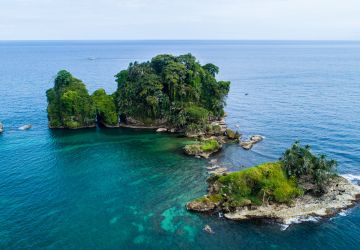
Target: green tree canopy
(69, 103)
(168, 90)
(105, 108)
(168, 87)
(300, 162)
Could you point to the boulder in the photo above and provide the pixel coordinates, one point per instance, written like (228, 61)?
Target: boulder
(159, 130)
(256, 138)
(25, 127)
(201, 205)
(249, 144)
(246, 144)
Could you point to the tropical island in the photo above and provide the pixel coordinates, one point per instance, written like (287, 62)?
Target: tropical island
(175, 92)
(297, 186)
(178, 94)
(169, 93)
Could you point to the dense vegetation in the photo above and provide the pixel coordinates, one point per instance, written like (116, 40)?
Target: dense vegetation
(297, 171)
(105, 108)
(300, 162)
(172, 91)
(69, 103)
(206, 146)
(257, 185)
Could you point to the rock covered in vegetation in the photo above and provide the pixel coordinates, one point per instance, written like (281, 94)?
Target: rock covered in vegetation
(340, 194)
(300, 185)
(263, 192)
(252, 186)
(232, 135)
(253, 140)
(173, 91)
(105, 108)
(203, 148)
(177, 89)
(69, 103)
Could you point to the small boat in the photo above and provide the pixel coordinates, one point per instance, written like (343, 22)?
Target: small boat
(1, 127)
(25, 127)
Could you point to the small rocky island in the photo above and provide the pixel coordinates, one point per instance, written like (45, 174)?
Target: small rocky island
(168, 93)
(298, 186)
(175, 93)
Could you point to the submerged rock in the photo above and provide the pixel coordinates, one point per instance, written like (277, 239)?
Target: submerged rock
(208, 229)
(213, 161)
(25, 127)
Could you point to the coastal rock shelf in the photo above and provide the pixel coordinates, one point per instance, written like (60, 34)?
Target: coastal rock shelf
(341, 194)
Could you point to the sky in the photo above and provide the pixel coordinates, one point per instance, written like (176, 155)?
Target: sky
(179, 19)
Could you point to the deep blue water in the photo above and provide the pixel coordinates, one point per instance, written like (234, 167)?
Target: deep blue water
(126, 189)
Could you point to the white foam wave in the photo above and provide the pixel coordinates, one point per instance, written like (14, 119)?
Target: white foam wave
(343, 213)
(352, 178)
(298, 220)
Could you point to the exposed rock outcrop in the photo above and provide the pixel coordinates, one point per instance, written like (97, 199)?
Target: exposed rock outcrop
(253, 140)
(218, 171)
(232, 135)
(25, 127)
(159, 130)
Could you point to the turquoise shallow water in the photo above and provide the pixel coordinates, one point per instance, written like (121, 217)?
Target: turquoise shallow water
(126, 189)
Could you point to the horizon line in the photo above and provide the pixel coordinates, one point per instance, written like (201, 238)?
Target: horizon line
(224, 40)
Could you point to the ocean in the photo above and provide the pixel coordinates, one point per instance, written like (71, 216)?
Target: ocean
(127, 189)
